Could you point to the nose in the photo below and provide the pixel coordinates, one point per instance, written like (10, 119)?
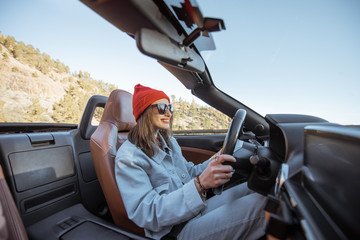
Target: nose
(168, 113)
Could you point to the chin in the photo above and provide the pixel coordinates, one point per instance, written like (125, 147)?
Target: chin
(165, 127)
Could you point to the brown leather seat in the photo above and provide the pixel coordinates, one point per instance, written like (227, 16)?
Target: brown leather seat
(112, 131)
(11, 225)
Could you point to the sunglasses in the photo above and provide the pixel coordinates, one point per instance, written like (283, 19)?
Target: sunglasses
(162, 108)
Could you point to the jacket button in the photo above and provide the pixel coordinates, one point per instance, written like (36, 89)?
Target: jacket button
(183, 175)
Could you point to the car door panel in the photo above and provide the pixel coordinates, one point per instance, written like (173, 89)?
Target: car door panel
(199, 148)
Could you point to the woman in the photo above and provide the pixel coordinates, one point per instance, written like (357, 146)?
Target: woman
(166, 195)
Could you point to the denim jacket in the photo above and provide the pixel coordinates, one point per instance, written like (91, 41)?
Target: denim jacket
(158, 192)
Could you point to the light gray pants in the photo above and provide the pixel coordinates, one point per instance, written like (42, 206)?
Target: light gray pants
(238, 213)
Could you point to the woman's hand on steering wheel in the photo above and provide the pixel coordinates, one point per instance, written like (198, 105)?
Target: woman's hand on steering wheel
(231, 137)
(216, 173)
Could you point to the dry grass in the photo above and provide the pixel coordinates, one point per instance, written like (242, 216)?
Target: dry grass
(18, 88)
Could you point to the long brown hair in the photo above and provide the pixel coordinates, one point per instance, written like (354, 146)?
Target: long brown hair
(143, 133)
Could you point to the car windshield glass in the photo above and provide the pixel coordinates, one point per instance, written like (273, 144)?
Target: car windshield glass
(289, 56)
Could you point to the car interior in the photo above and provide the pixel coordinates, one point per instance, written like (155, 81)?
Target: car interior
(64, 183)
(61, 185)
(57, 180)
(53, 179)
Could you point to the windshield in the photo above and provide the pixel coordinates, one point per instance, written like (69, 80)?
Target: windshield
(289, 56)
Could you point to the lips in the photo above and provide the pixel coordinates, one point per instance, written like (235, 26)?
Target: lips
(165, 120)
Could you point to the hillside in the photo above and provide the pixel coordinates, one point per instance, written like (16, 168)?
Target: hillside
(36, 88)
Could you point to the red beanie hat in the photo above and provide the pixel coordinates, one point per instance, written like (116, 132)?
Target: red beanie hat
(143, 97)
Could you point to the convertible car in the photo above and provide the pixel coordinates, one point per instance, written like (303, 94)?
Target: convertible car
(57, 180)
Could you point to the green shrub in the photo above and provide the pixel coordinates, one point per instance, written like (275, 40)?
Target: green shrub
(6, 57)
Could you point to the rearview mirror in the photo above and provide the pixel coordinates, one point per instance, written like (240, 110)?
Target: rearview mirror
(209, 25)
(161, 47)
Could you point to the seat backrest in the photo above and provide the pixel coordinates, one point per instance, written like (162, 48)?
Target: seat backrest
(116, 121)
(11, 225)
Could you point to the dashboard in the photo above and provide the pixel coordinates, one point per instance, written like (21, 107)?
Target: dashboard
(316, 188)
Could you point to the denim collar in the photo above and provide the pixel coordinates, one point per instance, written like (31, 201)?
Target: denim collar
(160, 155)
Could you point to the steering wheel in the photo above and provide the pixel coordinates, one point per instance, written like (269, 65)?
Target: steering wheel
(229, 145)
(234, 131)
(266, 166)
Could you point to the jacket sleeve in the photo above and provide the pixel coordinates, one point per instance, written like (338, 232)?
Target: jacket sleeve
(153, 208)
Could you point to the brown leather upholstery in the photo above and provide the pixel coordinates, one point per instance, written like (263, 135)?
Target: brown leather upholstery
(112, 131)
(11, 225)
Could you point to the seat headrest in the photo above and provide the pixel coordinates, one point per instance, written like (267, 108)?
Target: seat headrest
(118, 110)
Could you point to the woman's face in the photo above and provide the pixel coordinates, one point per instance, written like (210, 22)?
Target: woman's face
(161, 121)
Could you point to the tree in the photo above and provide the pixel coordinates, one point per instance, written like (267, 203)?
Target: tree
(193, 104)
(48, 61)
(68, 109)
(6, 57)
(17, 52)
(35, 112)
(207, 123)
(42, 67)
(87, 75)
(9, 42)
(2, 38)
(60, 67)
(80, 74)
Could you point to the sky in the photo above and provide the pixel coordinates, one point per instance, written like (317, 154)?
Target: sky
(276, 56)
